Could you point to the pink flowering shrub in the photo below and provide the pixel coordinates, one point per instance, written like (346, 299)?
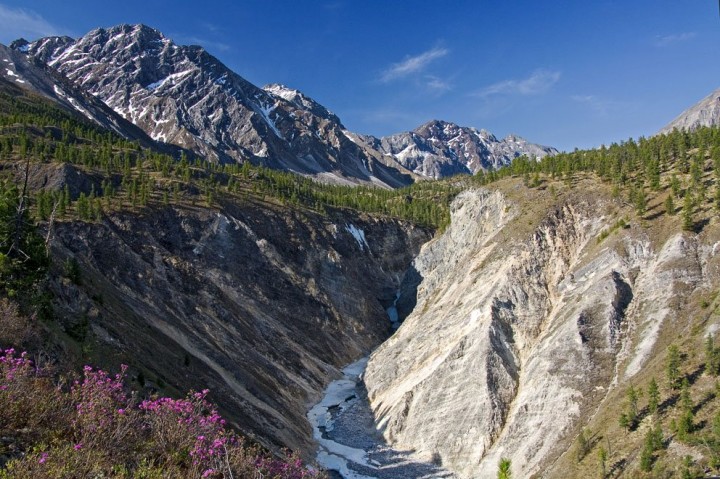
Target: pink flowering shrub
(189, 429)
(16, 372)
(28, 397)
(13, 366)
(104, 415)
(95, 429)
(289, 467)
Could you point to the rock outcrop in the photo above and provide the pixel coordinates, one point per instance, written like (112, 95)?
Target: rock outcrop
(259, 303)
(519, 333)
(706, 112)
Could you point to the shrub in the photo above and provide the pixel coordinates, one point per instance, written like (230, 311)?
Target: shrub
(28, 398)
(95, 428)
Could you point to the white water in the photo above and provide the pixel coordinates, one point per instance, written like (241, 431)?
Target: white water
(349, 444)
(333, 455)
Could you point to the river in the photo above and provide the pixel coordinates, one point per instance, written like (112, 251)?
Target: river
(350, 447)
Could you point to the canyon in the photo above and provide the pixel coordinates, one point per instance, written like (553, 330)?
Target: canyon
(506, 334)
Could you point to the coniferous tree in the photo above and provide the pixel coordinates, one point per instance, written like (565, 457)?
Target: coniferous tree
(685, 399)
(653, 442)
(716, 426)
(669, 205)
(672, 367)
(712, 356)
(602, 460)
(646, 460)
(633, 396)
(675, 185)
(695, 173)
(583, 444)
(640, 201)
(504, 469)
(653, 396)
(685, 424)
(688, 224)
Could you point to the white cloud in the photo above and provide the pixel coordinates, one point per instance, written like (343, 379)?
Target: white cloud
(592, 101)
(601, 106)
(437, 84)
(412, 64)
(209, 44)
(210, 27)
(388, 115)
(18, 22)
(335, 5)
(664, 41)
(538, 82)
(203, 42)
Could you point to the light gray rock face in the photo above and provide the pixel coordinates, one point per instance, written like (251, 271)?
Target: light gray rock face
(704, 113)
(438, 149)
(186, 97)
(515, 340)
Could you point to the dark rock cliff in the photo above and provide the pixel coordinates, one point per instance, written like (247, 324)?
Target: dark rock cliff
(259, 303)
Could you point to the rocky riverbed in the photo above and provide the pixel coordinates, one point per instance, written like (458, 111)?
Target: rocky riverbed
(350, 445)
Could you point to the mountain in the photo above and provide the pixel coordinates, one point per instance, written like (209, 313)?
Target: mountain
(704, 113)
(529, 328)
(184, 96)
(528, 324)
(246, 294)
(23, 71)
(439, 149)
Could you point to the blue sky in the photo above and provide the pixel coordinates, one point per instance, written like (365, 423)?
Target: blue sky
(565, 73)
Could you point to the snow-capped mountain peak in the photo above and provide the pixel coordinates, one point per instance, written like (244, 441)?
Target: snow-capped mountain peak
(438, 148)
(300, 100)
(184, 96)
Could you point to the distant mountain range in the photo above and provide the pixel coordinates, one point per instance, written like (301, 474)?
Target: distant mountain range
(438, 149)
(137, 82)
(704, 113)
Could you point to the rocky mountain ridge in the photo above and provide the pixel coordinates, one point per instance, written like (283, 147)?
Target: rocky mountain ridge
(706, 112)
(183, 96)
(439, 149)
(22, 71)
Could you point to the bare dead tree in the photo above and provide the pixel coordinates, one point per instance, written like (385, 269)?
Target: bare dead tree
(20, 216)
(51, 223)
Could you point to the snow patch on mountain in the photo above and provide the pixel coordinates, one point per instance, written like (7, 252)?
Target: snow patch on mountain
(265, 111)
(438, 149)
(359, 236)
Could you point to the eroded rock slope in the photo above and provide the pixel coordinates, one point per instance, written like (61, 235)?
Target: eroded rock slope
(522, 326)
(259, 303)
(706, 112)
